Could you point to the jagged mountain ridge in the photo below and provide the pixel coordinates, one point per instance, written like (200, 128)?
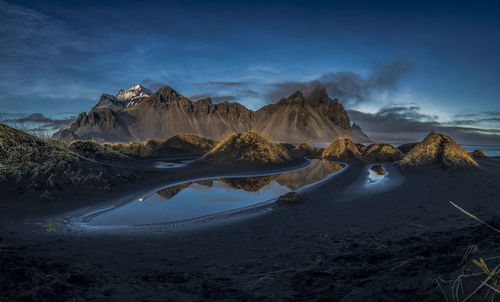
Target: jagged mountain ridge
(133, 115)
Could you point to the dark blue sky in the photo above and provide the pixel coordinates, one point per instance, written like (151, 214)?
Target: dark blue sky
(436, 63)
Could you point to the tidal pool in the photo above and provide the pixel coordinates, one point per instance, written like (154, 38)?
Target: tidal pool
(205, 197)
(174, 163)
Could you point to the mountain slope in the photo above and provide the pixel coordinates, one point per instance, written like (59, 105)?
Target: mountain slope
(316, 118)
(134, 115)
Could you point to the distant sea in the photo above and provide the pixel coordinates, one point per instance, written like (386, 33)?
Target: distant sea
(489, 150)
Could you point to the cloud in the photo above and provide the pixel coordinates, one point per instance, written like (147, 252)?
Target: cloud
(36, 120)
(406, 124)
(221, 83)
(152, 84)
(215, 98)
(349, 86)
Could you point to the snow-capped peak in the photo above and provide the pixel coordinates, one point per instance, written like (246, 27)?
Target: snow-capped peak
(133, 95)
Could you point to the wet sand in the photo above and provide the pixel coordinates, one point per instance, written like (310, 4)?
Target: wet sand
(387, 245)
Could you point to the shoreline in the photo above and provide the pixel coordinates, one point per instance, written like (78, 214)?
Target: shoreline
(390, 245)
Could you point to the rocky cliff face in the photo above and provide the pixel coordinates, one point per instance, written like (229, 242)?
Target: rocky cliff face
(135, 115)
(316, 118)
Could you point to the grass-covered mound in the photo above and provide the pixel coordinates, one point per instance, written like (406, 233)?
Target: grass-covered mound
(405, 148)
(477, 154)
(287, 146)
(381, 152)
(95, 151)
(247, 148)
(177, 144)
(361, 147)
(438, 149)
(133, 149)
(342, 148)
(307, 150)
(185, 143)
(38, 164)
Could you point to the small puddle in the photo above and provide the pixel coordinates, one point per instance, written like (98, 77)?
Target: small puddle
(205, 197)
(369, 182)
(376, 179)
(174, 163)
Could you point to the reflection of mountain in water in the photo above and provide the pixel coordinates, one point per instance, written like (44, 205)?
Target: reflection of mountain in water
(170, 192)
(318, 170)
(249, 184)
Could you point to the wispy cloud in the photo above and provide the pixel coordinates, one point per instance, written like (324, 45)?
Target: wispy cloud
(215, 98)
(350, 87)
(405, 124)
(36, 121)
(221, 83)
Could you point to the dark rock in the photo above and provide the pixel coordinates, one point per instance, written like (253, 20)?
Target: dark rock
(291, 197)
(477, 154)
(378, 169)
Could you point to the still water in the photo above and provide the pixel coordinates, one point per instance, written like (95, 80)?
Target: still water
(199, 198)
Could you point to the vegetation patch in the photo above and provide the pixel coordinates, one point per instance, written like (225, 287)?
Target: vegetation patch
(95, 151)
(342, 148)
(438, 149)
(43, 164)
(246, 148)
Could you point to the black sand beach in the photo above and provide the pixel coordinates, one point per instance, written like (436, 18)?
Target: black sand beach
(404, 244)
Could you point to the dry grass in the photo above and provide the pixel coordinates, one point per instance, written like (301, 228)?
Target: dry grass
(187, 143)
(489, 287)
(287, 146)
(405, 148)
(132, 149)
(246, 148)
(180, 143)
(342, 148)
(307, 150)
(380, 152)
(42, 164)
(440, 150)
(95, 151)
(304, 147)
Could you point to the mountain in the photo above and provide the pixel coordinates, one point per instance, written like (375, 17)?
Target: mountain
(315, 118)
(124, 98)
(136, 114)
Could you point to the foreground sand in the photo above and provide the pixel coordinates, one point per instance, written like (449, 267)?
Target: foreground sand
(390, 246)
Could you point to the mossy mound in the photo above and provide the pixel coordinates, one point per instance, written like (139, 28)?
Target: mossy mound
(381, 152)
(342, 148)
(95, 151)
(133, 149)
(42, 164)
(185, 143)
(438, 149)
(305, 147)
(177, 144)
(361, 148)
(405, 148)
(307, 150)
(478, 154)
(287, 146)
(246, 148)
